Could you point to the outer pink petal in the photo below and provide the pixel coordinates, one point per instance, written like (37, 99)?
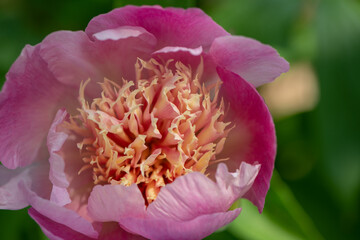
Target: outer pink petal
(197, 228)
(253, 140)
(11, 196)
(171, 26)
(112, 202)
(58, 214)
(255, 62)
(28, 102)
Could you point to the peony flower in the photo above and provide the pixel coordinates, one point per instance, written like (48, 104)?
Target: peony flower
(146, 125)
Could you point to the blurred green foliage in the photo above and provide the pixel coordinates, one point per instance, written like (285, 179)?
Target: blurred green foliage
(315, 190)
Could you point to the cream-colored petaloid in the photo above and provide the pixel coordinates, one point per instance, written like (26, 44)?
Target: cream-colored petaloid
(150, 131)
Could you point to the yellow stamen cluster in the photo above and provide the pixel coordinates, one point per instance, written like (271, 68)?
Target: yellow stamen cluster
(153, 130)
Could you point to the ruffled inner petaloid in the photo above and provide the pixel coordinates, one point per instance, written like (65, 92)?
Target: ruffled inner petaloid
(151, 131)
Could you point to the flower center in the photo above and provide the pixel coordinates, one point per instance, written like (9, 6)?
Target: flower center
(150, 132)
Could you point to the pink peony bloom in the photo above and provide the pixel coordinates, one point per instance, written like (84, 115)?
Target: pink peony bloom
(146, 125)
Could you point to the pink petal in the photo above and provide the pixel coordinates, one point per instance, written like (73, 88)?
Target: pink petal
(187, 56)
(124, 32)
(55, 141)
(193, 51)
(55, 230)
(188, 197)
(196, 228)
(28, 102)
(74, 58)
(253, 61)
(117, 58)
(70, 188)
(11, 196)
(193, 206)
(60, 196)
(69, 56)
(112, 202)
(171, 26)
(58, 214)
(196, 58)
(57, 173)
(253, 140)
(112, 231)
(235, 185)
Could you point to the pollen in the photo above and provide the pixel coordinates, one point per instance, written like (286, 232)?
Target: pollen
(149, 131)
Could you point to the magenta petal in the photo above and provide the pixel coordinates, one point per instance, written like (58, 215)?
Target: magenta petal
(254, 135)
(171, 26)
(28, 102)
(196, 228)
(55, 230)
(58, 214)
(112, 202)
(253, 61)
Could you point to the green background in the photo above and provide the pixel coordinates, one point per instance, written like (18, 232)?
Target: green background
(314, 192)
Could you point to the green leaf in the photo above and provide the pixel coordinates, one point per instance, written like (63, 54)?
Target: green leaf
(17, 225)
